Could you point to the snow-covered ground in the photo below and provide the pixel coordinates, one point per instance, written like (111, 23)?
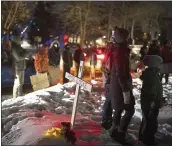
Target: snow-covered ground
(25, 118)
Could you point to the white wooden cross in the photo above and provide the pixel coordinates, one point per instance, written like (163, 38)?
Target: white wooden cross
(79, 82)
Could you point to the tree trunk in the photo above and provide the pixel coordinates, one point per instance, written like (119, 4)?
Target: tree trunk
(85, 22)
(132, 32)
(109, 22)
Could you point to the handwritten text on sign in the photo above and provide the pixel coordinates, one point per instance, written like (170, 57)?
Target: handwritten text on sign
(78, 81)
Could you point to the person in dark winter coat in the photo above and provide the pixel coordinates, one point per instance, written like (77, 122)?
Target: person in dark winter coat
(121, 87)
(78, 56)
(19, 65)
(151, 97)
(67, 62)
(54, 62)
(154, 48)
(166, 52)
(143, 51)
(106, 67)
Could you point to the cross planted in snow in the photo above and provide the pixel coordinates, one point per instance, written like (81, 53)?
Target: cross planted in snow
(79, 82)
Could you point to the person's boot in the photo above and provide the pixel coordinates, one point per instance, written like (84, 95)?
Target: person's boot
(113, 129)
(106, 124)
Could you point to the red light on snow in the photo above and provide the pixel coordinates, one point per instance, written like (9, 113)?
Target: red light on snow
(100, 56)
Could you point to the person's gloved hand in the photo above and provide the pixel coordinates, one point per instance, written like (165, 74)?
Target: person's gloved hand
(126, 96)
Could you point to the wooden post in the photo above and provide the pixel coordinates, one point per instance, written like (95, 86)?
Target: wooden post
(80, 73)
(79, 82)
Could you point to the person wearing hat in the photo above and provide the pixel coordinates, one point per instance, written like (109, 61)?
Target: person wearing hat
(151, 97)
(54, 62)
(120, 87)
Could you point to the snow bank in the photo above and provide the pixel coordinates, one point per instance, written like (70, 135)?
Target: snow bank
(59, 100)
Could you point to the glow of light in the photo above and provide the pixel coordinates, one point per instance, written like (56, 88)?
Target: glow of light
(25, 44)
(159, 34)
(102, 56)
(93, 82)
(104, 37)
(85, 54)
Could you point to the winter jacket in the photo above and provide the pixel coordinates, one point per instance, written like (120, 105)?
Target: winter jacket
(151, 89)
(154, 50)
(166, 55)
(120, 78)
(19, 55)
(107, 64)
(54, 57)
(67, 58)
(120, 66)
(143, 52)
(78, 56)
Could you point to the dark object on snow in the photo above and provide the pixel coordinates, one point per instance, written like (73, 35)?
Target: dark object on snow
(68, 133)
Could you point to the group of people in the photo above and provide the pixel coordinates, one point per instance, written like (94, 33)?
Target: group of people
(46, 60)
(119, 94)
(164, 51)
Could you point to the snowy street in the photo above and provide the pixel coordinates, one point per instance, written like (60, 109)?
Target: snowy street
(26, 118)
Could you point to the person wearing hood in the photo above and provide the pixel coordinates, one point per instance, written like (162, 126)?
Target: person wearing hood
(54, 62)
(121, 95)
(143, 50)
(78, 56)
(151, 98)
(19, 56)
(67, 62)
(154, 49)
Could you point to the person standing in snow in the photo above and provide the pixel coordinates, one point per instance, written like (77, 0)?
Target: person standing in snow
(154, 48)
(121, 95)
(151, 97)
(106, 68)
(54, 61)
(93, 63)
(166, 52)
(19, 65)
(67, 61)
(78, 56)
(143, 51)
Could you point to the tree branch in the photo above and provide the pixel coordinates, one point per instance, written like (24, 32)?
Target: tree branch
(16, 8)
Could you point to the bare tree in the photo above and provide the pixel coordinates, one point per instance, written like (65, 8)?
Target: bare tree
(78, 16)
(13, 12)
